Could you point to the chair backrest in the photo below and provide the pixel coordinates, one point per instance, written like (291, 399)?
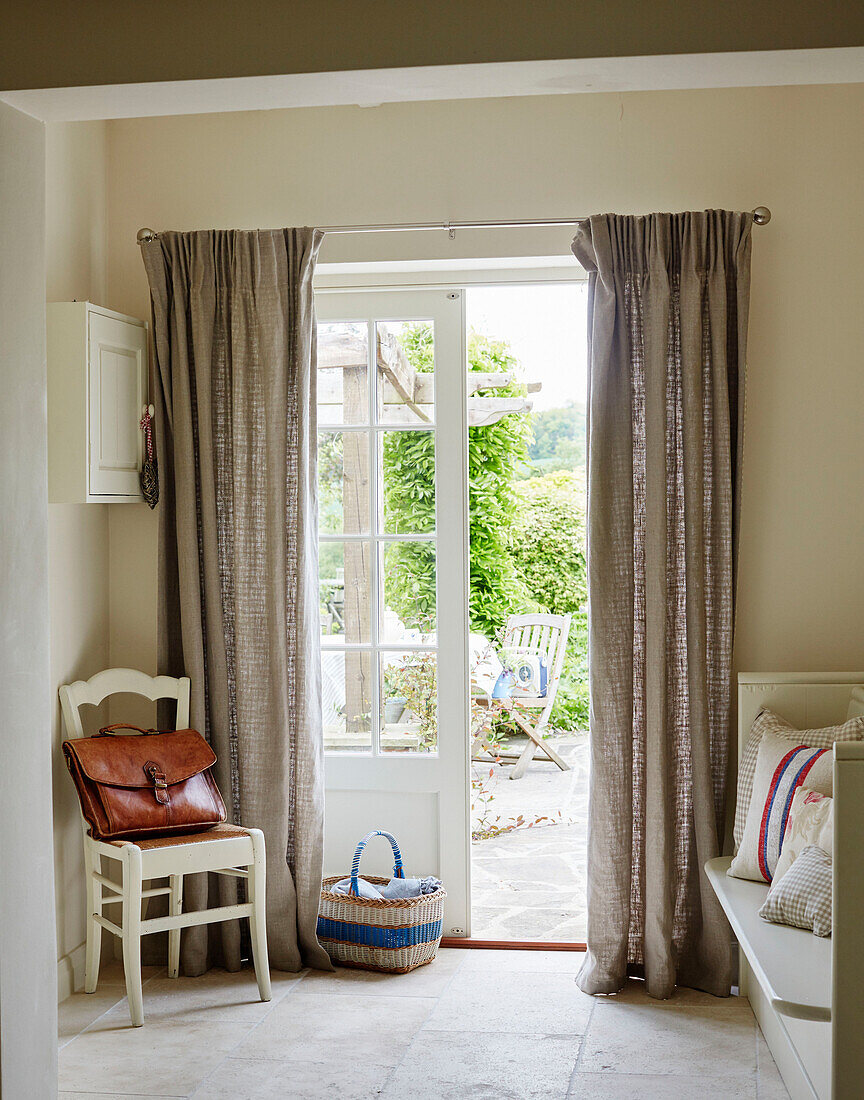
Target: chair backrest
(130, 681)
(545, 634)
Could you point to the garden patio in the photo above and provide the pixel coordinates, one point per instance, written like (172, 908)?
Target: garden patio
(528, 879)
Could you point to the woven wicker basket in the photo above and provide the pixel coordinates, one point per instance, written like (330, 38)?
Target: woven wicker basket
(393, 936)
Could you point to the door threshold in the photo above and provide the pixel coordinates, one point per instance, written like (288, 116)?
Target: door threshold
(511, 945)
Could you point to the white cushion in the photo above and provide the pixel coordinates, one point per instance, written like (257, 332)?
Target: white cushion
(811, 823)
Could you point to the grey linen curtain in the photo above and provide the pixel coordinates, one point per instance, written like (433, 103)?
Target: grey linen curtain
(668, 305)
(234, 389)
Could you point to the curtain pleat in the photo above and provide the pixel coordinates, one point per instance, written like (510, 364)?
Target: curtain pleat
(668, 307)
(234, 390)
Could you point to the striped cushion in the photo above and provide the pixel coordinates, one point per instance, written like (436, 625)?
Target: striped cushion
(781, 768)
(767, 721)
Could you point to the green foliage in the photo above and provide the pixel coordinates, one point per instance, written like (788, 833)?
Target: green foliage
(495, 454)
(413, 678)
(548, 550)
(409, 482)
(409, 583)
(527, 537)
(547, 542)
(559, 439)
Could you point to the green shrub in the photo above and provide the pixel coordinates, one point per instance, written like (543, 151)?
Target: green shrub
(548, 550)
(547, 541)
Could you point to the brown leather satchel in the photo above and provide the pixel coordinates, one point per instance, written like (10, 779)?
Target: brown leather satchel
(151, 785)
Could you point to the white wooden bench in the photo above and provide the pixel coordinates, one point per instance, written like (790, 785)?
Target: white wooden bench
(806, 992)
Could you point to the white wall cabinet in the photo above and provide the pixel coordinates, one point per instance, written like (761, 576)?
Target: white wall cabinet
(97, 388)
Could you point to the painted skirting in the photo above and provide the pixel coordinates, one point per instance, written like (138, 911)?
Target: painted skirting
(70, 972)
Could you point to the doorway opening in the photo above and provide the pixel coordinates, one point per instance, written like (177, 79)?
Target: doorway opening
(528, 613)
(452, 501)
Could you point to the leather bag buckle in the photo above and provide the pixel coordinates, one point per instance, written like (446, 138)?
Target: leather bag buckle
(160, 785)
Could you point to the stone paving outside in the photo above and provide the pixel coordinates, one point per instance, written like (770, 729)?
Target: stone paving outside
(529, 883)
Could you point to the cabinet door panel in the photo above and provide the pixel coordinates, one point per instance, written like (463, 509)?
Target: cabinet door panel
(118, 386)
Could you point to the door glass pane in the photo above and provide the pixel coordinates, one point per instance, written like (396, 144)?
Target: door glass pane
(344, 575)
(407, 580)
(346, 684)
(343, 483)
(409, 702)
(405, 382)
(406, 464)
(343, 380)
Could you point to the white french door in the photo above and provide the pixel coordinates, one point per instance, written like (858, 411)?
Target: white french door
(393, 552)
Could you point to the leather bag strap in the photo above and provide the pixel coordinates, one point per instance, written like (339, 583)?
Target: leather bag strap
(106, 730)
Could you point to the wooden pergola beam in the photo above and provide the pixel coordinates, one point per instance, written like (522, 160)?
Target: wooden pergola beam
(413, 391)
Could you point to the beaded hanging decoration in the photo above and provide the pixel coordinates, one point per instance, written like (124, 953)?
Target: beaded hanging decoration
(149, 469)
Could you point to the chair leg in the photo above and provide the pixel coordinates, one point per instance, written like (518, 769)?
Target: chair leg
(175, 907)
(92, 864)
(535, 742)
(256, 884)
(132, 932)
(525, 759)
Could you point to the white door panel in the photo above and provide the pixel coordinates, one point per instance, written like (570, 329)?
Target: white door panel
(382, 769)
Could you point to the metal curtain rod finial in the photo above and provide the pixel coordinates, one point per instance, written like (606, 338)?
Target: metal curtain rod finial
(761, 216)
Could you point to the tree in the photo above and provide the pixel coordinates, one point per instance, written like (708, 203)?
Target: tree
(559, 439)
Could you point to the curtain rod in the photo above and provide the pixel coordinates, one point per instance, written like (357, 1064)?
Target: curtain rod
(761, 216)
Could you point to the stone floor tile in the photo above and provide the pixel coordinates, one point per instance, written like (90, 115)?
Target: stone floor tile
(504, 1025)
(425, 981)
(768, 1081)
(264, 1079)
(626, 1086)
(531, 1003)
(163, 1058)
(218, 994)
(82, 1009)
(643, 1039)
(537, 962)
(634, 993)
(459, 1066)
(112, 1096)
(376, 1029)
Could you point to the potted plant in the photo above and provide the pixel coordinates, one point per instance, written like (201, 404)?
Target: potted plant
(414, 679)
(394, 702)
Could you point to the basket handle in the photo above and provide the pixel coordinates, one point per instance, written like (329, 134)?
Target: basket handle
(355, 866)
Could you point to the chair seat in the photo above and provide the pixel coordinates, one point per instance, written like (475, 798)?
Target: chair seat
(218, 832)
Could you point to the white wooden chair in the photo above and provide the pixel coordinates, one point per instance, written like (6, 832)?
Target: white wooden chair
(225, 849)
(546, 635)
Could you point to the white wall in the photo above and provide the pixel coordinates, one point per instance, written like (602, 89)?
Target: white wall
(797, 150)
(77, 533)
(28, 1020)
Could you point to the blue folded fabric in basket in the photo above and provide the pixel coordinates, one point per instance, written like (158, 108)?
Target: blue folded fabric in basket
(395, 888)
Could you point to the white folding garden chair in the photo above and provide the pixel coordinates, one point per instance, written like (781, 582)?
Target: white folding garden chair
(547, 636)
(225, 849)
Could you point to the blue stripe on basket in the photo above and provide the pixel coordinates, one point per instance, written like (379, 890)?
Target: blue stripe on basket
(369, 935)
